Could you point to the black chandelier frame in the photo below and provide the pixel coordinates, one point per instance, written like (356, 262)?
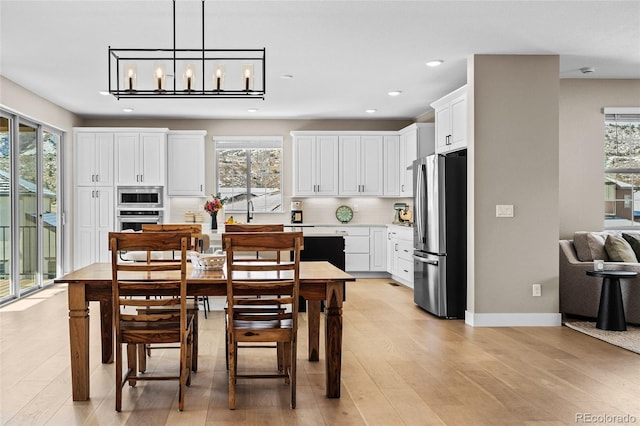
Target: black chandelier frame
(200, 58)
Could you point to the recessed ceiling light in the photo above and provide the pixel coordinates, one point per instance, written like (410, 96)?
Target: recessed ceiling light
(104, 93)
(435, 63)
(286, 76)
(394, 93)
(371, 111)
(128, 110)
(252, 110)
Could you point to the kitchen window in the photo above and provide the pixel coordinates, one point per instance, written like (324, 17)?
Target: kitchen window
(622, 168)
(249, 174)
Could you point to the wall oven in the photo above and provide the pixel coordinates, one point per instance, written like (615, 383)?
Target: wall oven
(138, 205)
(132, 220)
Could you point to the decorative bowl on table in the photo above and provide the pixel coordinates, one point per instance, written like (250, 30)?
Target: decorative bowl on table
(207, 261)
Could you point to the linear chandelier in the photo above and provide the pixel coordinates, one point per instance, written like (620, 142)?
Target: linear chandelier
(197, 73)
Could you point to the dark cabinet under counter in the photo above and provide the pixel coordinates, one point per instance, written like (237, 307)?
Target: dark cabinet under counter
(323, 247)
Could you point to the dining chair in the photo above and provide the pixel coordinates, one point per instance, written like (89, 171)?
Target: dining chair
(144, 281)
(196, 244)
(266, 283)
(269, 309)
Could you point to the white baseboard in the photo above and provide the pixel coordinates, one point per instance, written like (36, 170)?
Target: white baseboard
(513, 320)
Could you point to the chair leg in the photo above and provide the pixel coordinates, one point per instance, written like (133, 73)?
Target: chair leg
(132, 363)
(231, 351)
(286, 356)
(118, 367)
(142, 358)
(194, 358)
(293, 373)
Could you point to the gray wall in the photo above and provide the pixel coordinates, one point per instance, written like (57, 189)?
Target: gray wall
(513, 145)
(581, 148)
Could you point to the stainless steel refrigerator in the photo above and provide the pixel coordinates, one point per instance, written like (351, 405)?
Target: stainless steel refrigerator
(440, 234)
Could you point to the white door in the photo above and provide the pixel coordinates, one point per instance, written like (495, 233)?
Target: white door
(151, 167)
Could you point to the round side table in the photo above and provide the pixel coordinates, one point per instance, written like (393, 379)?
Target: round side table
(611, 308)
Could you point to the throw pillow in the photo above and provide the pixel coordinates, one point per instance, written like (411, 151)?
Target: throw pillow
(583, 252)
(634, 242)
(619, 250)
(596, 246)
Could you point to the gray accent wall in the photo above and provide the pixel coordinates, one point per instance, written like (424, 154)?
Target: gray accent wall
(513, 149)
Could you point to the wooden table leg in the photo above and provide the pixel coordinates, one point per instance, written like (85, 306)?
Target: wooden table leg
(333, 338)
(79, 341)
(313, 318)
(106, 330)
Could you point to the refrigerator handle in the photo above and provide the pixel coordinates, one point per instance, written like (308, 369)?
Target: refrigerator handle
(427, 261)
(420, 206)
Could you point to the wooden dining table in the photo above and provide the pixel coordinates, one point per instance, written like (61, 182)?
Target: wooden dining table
(319, 281)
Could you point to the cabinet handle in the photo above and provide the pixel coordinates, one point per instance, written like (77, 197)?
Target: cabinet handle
(402, 188)
(97, 178)
(93, 178)
(395, 248)
(97, 194)
(141, 178)
(448, 142)
(93, 194)
(200, 187)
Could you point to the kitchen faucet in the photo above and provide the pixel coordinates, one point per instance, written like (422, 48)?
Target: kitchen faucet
(250, 210)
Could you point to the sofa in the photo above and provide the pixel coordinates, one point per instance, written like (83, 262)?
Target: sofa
(580, 293)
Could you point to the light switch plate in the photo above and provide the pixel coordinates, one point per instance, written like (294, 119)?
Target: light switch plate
(504, 210)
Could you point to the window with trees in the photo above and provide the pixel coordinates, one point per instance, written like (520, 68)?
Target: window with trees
(622, 168)
(249, 173)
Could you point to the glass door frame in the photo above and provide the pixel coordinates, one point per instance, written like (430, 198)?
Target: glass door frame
(15, 121)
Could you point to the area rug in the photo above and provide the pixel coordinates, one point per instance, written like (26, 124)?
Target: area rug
(629, 340)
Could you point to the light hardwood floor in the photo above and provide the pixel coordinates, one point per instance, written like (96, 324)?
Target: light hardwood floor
(401, 366)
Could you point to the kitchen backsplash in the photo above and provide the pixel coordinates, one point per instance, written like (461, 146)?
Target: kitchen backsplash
(315, 210)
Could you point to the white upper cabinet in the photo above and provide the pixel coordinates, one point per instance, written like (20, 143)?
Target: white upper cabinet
(451, 121)
(361, 171)
(416, 140)
(94, 158)
(315, 165)
(140, 158)
(185, 163)
(391, 149)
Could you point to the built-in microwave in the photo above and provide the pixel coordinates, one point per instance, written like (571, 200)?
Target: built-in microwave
(140, 197)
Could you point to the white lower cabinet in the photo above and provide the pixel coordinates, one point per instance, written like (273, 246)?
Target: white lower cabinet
(400, 254)
(378, 248)
(356, 249)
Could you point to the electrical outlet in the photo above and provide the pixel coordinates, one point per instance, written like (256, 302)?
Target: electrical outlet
(537, 290)
(355, 208)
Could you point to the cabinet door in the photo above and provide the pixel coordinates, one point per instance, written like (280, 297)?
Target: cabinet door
(304, 167)
(127, 159)
(458, 109)
(349, 165)
(185, 165)
(391, 185)
(378, 249)
(151, 161)
(104, 159)
(391, 246)
(85, 147)
(85, 226)
(408, 153)
(104, 213)
(326, 162)
(371, 171)
(443, 128)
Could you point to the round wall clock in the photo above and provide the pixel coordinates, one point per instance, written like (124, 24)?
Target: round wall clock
(344, 214)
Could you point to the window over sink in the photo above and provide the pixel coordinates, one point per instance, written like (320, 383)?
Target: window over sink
(249, 173)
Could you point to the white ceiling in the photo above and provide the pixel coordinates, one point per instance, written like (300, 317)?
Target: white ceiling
(344, 55)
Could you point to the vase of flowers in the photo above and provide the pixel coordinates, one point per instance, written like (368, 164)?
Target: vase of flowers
(212, 207)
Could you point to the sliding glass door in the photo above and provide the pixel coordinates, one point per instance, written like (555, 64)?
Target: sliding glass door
(5, 207)
(29, 194)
